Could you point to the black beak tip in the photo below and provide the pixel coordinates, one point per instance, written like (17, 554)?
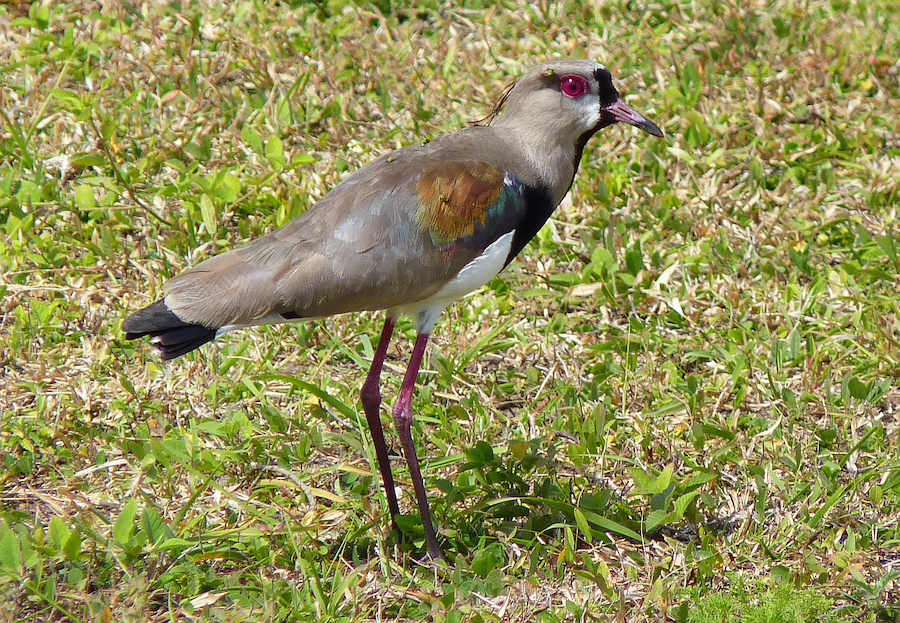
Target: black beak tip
(651, 128)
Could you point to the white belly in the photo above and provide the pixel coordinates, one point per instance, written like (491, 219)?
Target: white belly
(473, 275)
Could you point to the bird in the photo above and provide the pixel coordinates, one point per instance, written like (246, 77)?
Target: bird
(408, 233)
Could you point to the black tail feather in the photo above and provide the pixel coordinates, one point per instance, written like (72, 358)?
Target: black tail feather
(179, 341)
(170, 334)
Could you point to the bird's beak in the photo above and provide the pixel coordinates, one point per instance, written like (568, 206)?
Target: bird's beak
(619, 111)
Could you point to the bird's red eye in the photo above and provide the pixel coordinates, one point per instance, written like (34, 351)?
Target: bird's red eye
(573, 86)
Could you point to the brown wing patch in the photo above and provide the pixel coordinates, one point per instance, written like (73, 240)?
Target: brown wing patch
(455, 196)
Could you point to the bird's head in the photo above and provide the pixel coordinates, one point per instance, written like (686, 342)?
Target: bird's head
(573, 97)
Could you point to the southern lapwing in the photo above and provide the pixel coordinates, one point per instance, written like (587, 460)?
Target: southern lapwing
(409, 233)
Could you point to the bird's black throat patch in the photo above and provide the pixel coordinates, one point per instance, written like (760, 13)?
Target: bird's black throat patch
(539, 207)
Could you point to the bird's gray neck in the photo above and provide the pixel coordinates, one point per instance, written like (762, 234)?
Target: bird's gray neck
(542, 159)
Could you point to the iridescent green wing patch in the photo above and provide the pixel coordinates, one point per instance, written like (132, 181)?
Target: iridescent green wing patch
(455, 198)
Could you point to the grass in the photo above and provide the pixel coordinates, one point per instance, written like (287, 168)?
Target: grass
(680, 403)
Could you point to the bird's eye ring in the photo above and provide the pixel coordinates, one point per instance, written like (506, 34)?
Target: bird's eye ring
(573, 86)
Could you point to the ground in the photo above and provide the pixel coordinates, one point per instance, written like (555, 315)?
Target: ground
(681, 403)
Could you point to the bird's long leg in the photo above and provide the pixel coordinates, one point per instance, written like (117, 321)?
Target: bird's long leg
(371, 401)
(403, 421)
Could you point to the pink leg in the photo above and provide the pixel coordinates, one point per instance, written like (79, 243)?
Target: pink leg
(403, 421)
(371, 401)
